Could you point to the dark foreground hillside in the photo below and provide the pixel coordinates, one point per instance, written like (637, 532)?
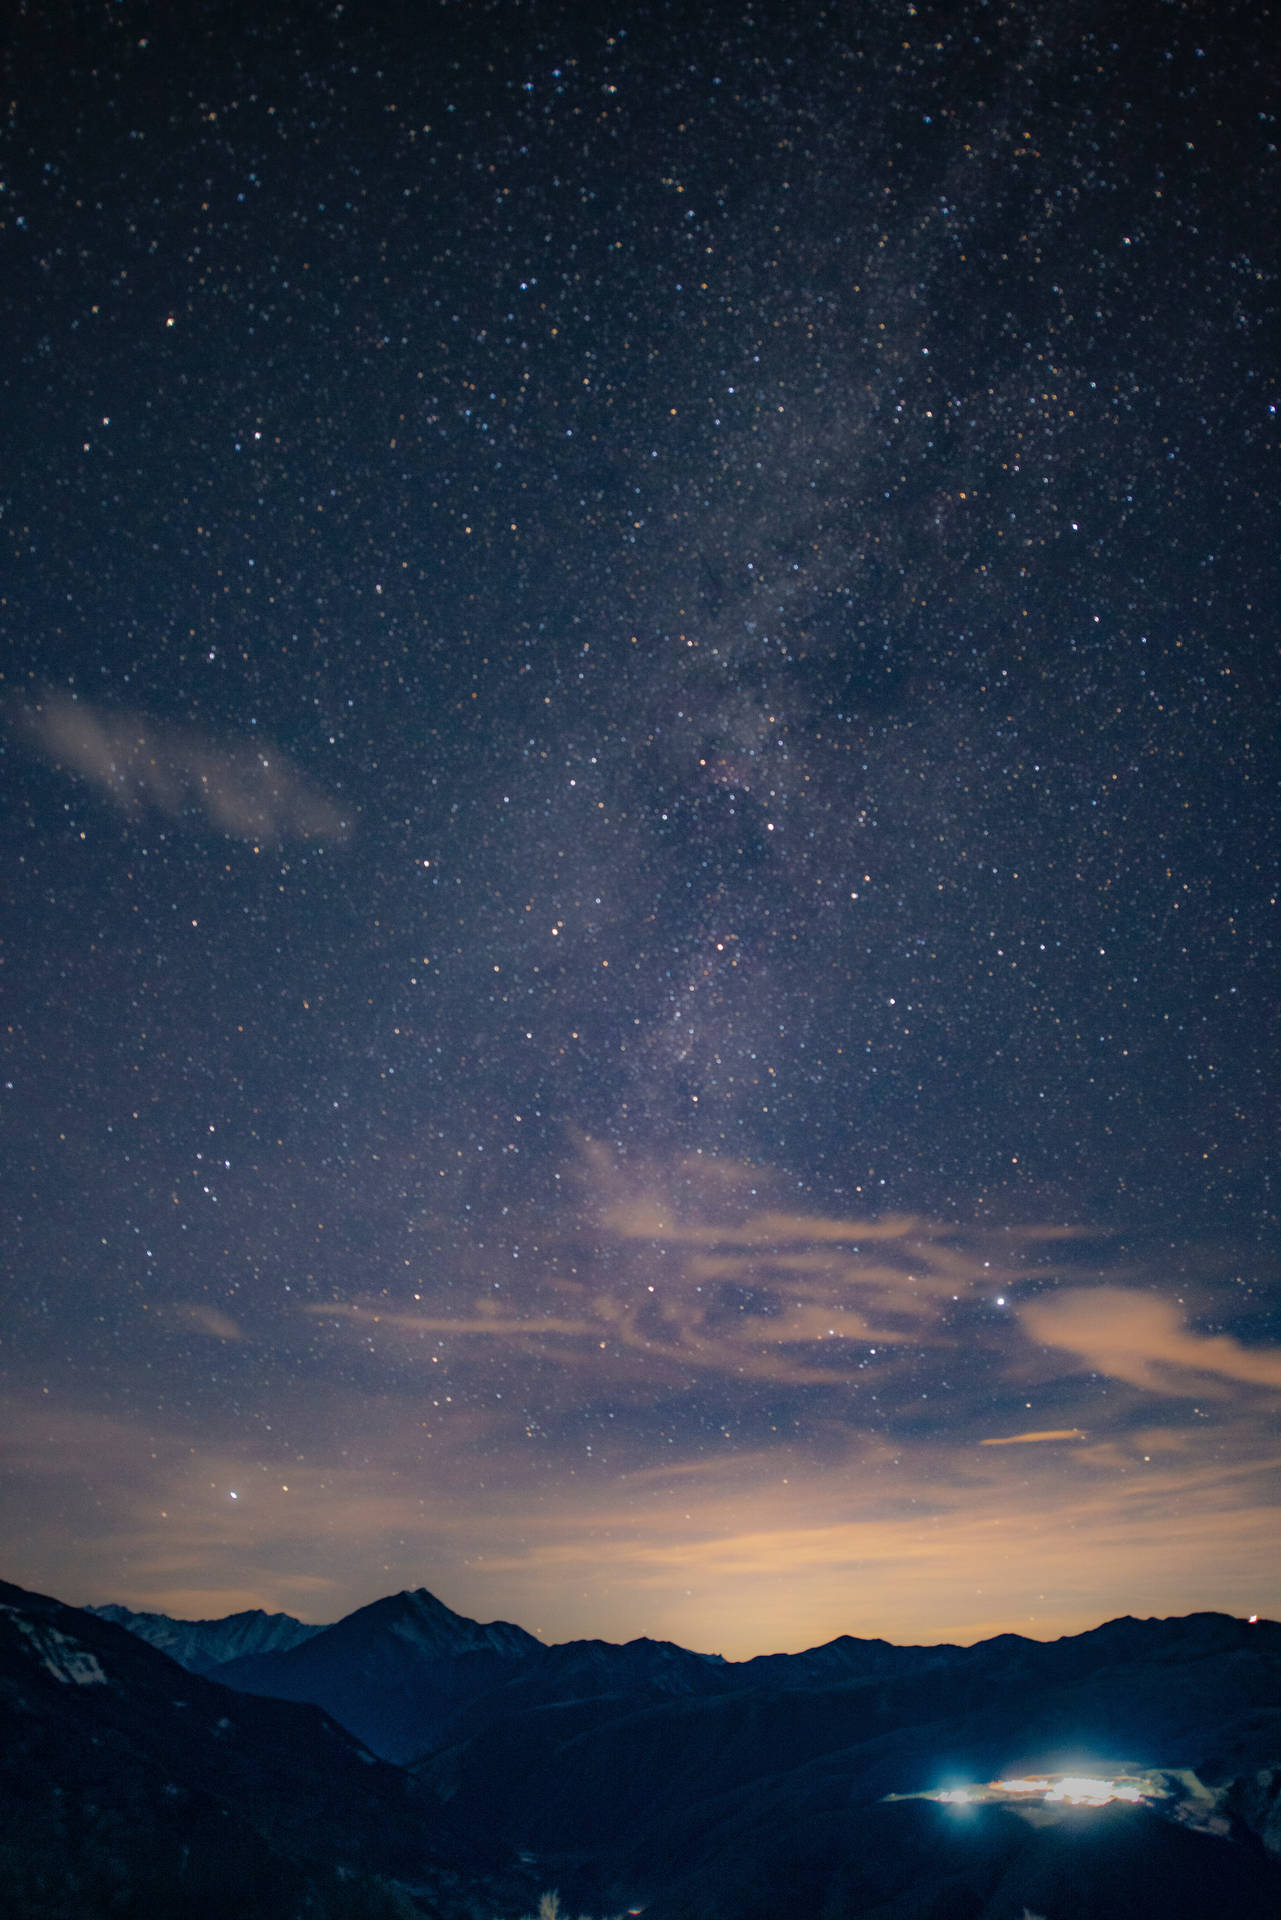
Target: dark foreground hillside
(132, 1788)
(639, 1777)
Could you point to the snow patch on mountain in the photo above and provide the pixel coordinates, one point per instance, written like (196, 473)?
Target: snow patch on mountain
(66, 1659)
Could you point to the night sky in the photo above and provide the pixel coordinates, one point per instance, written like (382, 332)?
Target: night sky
(640, 755)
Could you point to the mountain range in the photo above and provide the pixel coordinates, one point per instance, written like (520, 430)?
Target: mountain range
(202, 1645)
(133, 1787)
(409, 1761)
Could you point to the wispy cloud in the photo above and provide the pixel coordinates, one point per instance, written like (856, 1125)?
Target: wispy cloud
(653, 1278)
(1139, 1337)
(207, 1319)
(659, 1274)
(247, 789)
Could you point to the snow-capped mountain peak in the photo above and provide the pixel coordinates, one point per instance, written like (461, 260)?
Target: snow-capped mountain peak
(202, 1645)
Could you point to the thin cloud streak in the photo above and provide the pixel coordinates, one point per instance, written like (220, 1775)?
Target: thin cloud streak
(247, 789)
(207, 1319)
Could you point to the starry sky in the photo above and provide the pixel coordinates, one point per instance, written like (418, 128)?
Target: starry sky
(639, 722)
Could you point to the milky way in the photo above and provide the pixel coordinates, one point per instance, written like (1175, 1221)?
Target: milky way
(640, 891)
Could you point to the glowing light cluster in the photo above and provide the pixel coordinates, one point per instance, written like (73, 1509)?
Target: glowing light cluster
(1075, 1789)
(1051, 1789)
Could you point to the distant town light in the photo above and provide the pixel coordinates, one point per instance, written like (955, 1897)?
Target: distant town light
(1050, 1789)
(1077, 1789)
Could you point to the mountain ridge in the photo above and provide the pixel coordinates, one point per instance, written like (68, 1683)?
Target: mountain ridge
(131, 1785)
(647, 1775)
(395, 1671)
(203, 1645)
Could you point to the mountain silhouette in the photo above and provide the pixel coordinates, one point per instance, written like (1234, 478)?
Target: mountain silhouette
(130, 1786)
(790, 1787)
(395, 1672)
(203, 1645)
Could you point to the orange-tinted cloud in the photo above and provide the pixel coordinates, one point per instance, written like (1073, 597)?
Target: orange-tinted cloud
(688, 1270)
(1141, 1338)
(1028, 1439)
(488, 1325)
(247, 789)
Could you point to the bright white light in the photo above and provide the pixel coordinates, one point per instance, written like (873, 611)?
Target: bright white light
(1077, 1789)
(1052, 1790)
(1080, 1791)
